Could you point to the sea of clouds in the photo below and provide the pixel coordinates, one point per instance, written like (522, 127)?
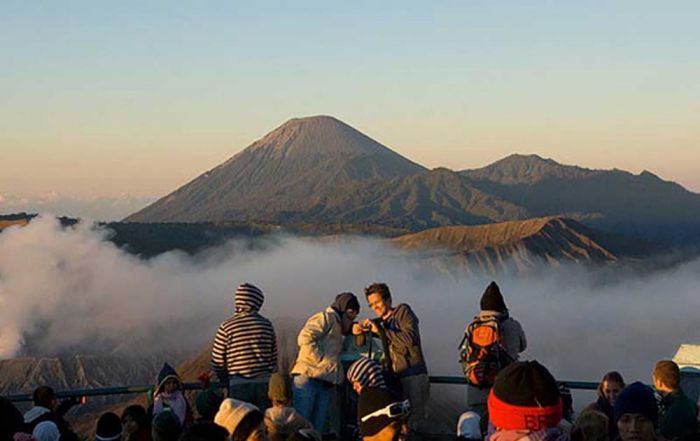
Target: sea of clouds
(64, 290)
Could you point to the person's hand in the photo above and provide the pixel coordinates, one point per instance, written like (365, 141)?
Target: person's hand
(357, 329)
(370, 325)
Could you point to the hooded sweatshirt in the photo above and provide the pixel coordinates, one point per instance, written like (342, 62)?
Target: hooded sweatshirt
(245, 345)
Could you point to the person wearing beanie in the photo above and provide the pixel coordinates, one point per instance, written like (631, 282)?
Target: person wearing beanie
(242, 420)
(281, 419)
(524, 403)
(609, 389)
(165, 426)
(135, 424)
(46, 431)
(636, 413)
(679, 413)
(383, 415)
(244, 352)
(469, 427)
(512, 343)
(398, 328)
(317, 369)
(109, 427)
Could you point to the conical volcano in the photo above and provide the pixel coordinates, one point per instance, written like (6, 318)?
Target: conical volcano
(286, 170)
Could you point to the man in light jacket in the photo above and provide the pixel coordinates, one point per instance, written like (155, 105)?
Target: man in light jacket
(317, 368)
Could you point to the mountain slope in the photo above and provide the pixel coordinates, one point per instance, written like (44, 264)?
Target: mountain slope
(512, 246)
(284, 170)
(438, 197)
(615, 200)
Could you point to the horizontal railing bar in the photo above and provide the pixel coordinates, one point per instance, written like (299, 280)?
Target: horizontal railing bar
(124, 390)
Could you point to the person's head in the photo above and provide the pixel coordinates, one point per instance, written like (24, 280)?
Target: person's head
(469, 426)
(666, 376)
(207, 404)
(347, 306)
(46, 431)
(243, 421)
(168, 380)
(382, 415)
(591, 425)
(379, 298)
(109, 427)
(524, 396)
(610, 386)
(248, 298)
(278, 390)
(45, 396)
(134, 418)
(636, 413)
(365, 372)
(204, 431)
(165, 426)
(492, 299)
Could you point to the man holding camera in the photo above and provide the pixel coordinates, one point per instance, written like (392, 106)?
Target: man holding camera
(398, 329)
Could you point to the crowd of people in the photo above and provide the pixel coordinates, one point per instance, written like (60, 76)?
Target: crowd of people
(383, 389)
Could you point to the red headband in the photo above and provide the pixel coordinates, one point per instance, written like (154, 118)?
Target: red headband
(511, 417)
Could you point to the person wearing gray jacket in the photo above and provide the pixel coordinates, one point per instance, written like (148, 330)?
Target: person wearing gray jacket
(398, 328)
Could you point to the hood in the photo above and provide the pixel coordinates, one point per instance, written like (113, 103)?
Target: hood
(34, 413)
(492, 299)
(345, 301)
(166, 373)
(248, 298)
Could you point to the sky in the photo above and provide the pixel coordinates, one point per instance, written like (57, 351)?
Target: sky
(129, 100)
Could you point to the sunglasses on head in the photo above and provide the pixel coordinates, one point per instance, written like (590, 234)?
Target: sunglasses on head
(393, 410)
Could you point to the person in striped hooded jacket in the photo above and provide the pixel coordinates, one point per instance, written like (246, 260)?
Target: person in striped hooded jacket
(245, 348)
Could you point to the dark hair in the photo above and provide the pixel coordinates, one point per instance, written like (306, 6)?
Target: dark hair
(610, 377)
(137, 413)
(43, 396)
(248, 424)
(204, 431)
(379, 288)
(668, 373)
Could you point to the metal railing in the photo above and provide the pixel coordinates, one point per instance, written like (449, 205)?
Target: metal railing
(125, 390)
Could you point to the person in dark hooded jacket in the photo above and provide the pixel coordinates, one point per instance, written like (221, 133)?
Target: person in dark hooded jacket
(608, 390)
(514, 342)
(47, 408)
(245, 348)
(317, 369)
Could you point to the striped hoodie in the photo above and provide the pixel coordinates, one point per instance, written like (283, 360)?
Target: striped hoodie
(245, 344)
(368, 373)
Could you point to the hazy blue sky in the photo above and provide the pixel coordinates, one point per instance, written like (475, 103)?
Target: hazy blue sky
(105, 98)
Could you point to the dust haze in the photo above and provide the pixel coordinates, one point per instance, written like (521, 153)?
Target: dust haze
(68, 290)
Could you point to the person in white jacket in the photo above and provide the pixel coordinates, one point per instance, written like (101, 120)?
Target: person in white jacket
(317, 369)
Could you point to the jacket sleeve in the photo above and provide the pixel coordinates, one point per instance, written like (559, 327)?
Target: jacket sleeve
(218, 354)
(312, 333)
(521, 336)
(405, 335)
(273, 356)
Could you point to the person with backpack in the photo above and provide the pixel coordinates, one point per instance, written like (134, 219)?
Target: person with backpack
(492, 341)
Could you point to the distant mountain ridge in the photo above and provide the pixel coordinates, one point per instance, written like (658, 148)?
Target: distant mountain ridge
(512, 246)
(318, 170)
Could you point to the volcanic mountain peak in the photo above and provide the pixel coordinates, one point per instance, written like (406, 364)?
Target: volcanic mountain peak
(319, 137)
(526, 169)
